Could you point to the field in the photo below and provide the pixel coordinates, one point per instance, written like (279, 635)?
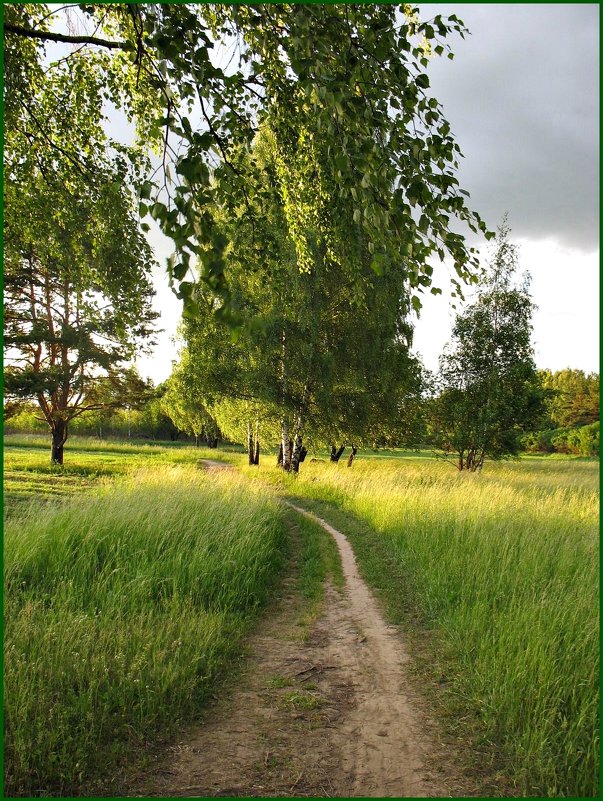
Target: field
(122, 608)
(123, 604)
(502, 569)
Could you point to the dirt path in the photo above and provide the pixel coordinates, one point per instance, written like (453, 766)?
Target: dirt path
(212, 464)
(380, 739)
(318, 711)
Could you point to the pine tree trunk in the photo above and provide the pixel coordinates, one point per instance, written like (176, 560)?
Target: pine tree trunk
(351, 456)
(59, 437)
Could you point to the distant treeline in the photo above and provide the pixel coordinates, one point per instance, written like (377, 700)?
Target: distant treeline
(573, 415)
(571, 425)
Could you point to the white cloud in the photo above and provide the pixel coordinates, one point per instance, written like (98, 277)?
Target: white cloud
(565, 288)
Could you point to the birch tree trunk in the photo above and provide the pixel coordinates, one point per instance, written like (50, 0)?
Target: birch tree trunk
(250, 449)
(296, 457)
(285, 445)
(336, 454)
(256, 455)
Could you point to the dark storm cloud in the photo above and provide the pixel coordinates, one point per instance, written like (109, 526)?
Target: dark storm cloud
(522, 99)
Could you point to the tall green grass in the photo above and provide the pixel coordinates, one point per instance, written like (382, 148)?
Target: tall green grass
(121, 611)
(503, 567)
(29, 477)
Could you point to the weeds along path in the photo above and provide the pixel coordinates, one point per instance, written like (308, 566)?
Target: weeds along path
(319, 710)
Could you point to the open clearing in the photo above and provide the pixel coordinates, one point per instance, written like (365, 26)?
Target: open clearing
(130, 596)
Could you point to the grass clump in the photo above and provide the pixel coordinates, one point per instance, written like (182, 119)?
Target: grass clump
(278, 682)
(121, 612)
(301, 701)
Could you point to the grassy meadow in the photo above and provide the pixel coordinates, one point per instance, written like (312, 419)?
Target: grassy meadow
(123, 606)
(501, 569)
(131, 575)
(89, 463)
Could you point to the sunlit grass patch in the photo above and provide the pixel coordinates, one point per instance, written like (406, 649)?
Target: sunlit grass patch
(29, 477)
(121, 611)
(502, 568)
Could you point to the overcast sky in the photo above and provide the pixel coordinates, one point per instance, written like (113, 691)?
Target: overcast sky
(521, 96)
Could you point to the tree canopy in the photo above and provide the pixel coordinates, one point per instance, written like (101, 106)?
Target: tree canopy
(339, 83)
(573, 397)
(490, 390)
(304, 173)
(327, 356)
(77, 290)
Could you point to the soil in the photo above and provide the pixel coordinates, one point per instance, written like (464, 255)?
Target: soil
(320, 709)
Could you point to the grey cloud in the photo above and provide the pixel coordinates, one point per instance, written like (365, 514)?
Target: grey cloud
(522, 99)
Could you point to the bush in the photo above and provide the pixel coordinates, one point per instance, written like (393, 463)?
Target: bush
(538, 442)
(580, 441)
(566, 440)
(589, 439)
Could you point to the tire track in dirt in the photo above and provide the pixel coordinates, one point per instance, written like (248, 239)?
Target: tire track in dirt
(325, 714)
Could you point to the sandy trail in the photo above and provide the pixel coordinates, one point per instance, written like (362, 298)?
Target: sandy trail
(212, 464)
(328, 714)
(381, 738)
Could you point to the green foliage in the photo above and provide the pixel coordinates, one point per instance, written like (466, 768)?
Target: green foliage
(337, 84)
(326, 355)
(589, 439)
(143, 420)
(573, 397)
(27, 420)
(183, 402)
(538, 441)
(77, 289)
(583, 440)
(490, 392)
